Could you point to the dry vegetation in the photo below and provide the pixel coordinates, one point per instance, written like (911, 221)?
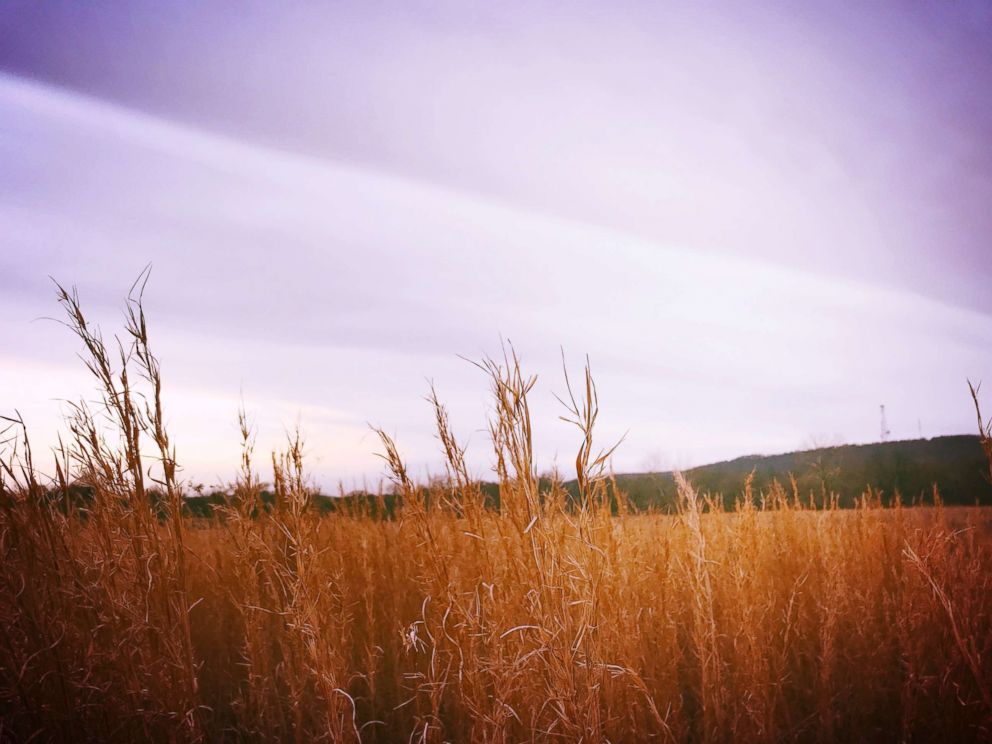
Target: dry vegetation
(543, 621)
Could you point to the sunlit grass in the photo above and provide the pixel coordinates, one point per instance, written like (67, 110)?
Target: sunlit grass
(551, 618)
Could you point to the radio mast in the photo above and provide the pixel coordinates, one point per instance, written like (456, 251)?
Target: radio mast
(885, 426)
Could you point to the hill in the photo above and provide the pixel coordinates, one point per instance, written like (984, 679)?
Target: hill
(955, 463)
(911, 468)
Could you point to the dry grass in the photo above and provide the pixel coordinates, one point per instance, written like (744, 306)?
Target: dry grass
(543, 621)
(984, 427)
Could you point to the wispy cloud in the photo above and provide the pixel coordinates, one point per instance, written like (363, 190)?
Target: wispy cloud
(340, 289)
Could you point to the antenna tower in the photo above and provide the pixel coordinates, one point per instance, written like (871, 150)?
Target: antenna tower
(885, 426)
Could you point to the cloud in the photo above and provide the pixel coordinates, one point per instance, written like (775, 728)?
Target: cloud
(338, 288)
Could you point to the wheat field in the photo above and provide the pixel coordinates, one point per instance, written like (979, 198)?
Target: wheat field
(547, 618)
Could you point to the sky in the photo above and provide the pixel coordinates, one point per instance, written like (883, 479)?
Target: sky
(760, 221)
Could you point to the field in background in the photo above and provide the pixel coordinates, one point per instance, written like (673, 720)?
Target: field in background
(557, 617)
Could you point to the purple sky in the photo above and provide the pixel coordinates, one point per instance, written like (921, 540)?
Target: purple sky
(761, 221)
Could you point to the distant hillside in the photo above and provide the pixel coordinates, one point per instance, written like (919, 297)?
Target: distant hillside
(956, 464)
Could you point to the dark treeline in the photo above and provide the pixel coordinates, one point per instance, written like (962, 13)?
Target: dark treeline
(911, 469)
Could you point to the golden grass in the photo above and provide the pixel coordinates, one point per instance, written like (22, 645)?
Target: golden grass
(545, 620)
(984, 427)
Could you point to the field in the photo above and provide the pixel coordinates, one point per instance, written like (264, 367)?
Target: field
(553, 618)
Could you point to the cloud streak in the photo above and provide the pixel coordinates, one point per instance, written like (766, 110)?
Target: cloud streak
(846, 140)
(323, 287)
